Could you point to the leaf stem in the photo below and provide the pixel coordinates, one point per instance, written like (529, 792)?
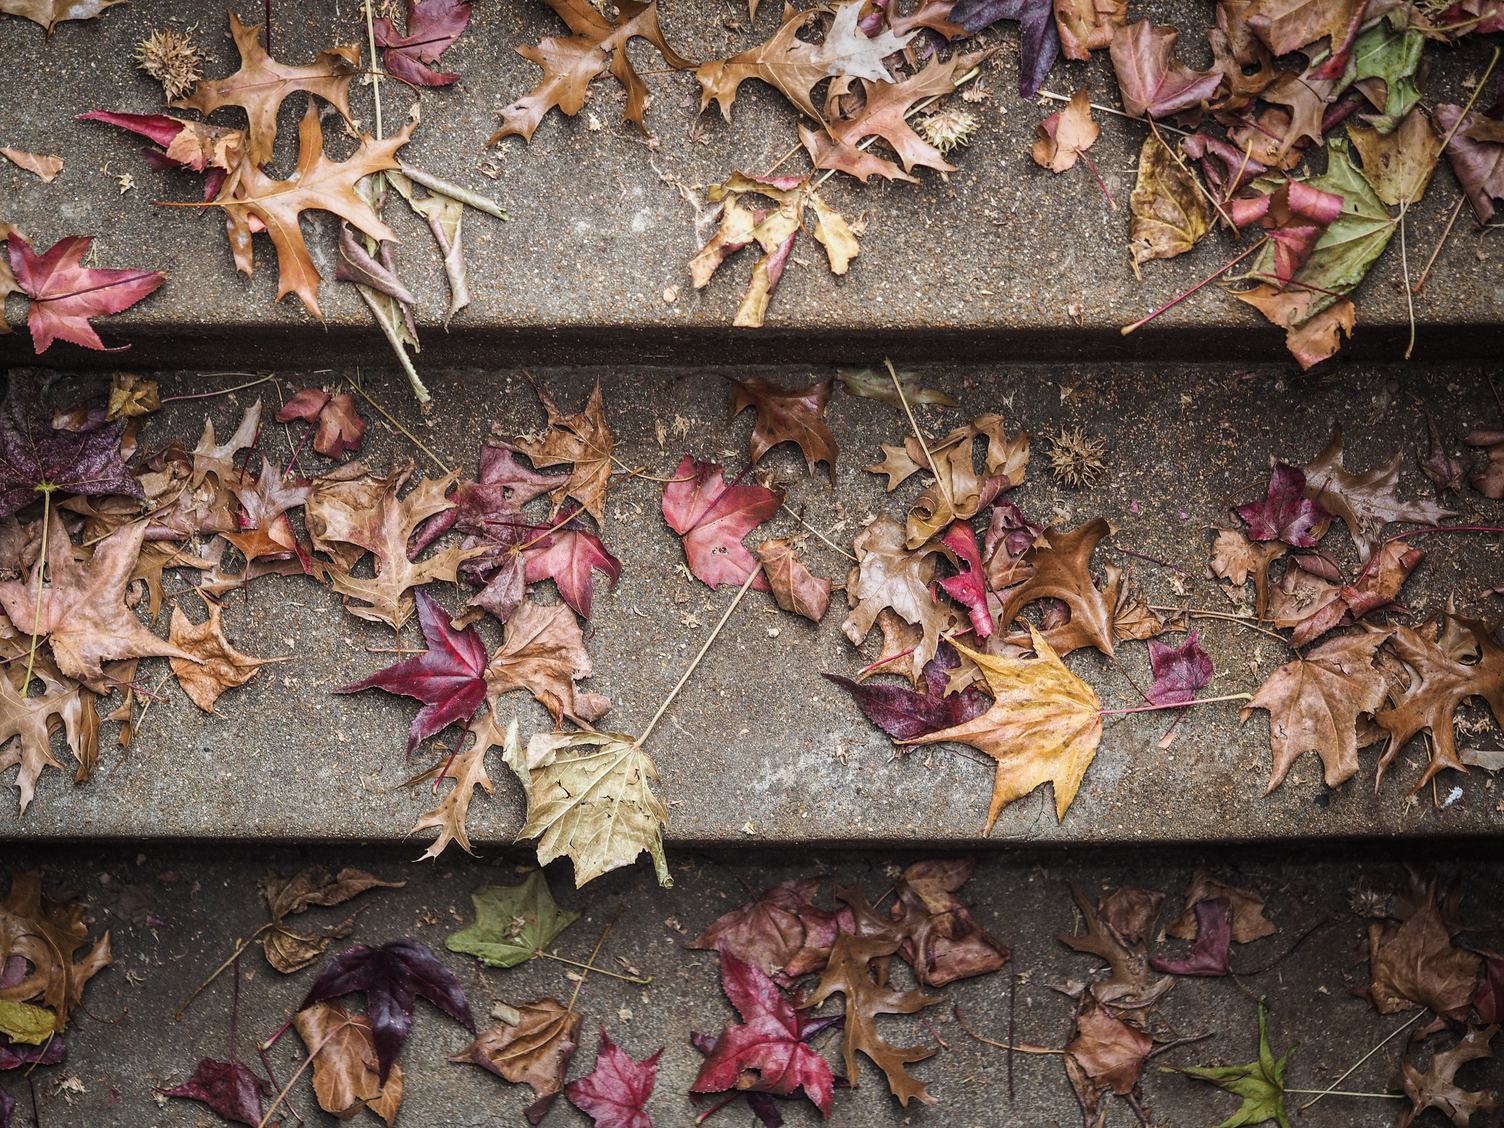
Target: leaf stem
(221, 392)
(1178, 298)
(832, 545)
(1387, 1039)
(919, 435)
(640, 980)
(36, 607)
(589, 965)
(375, 73)
(313, 1053)
(1226, 616)
(240, 946)
(1350, 1093)
(1178, 704)
(1020, 1047)
(390, 418)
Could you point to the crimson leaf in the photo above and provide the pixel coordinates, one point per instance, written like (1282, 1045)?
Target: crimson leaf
(1286, 514)
(432, 28)
(615, 1093)
(1209, 957)
(227, 1087)
(905, 714)
(568, 556)
(969, 586)
(712, 517)
(393, 977)
(449, 677)
(65, 294)
(34, 456)
(1180, 672)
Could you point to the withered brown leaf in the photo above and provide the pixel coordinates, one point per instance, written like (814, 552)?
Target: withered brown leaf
(46, 935)
(290, 951)
(1061, 560)
(1169, 211)
(27, 724)
(786, 415)
(1415, 964)
(346, 1076)
(1368, 501)
(1248, 920)
(544, 653)
(585, 442)
(890, 577)
(534, 1051)
(1437, 1087)
(217, 665)
(1065, 135)
(1105, 1055)
(468, 771)
(795, 587)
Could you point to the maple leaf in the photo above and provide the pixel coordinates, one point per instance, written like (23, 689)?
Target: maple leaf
(1260, 1083)
(1038, 40)
(1248, 920)
(904, 714)
(782, 932)
(49, 13)
(1064, 136)
(81, 610)
(1314, 704)
(14, 1056)
(787, 416)
(513, 923)
(261, 84)
(849, 973)
(1105, 1055)
(1454, 660)
(712, 518)
(969, 586)
(228, 1087)
(1476, 153)
(46, 935)
(1368, 501)
(65, 294)
(1437, 1087)
(1289, 25)
(27, 724)
(501, 488)
(1169, 211)
(569, 557)
(1061, 570)
(1286, 513)
(449, 677)
(582, 439)
(571, 64)
(432, 28)
(1180, 672)
(216, 665)
(317, 183)
(794, 586)
(468, 771)
(589, 796)
(1398, 164)
(1415, 964)
(533, 1051)
(615, 1093)
(793, 67)
(1312, 334)
(346, 1071)
(768, 1051)
(544, 653)
(36, 457)
(393, 977)
(290, 951)
(889, 577)
(1085, 26)
(1043, 727)
(340, 429)
(938, 937)
(774, 231)
(1296, 215)
(1152, 82)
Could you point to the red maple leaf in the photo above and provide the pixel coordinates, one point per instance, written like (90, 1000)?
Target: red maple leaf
(568, 556)
(449, 677)
(65, 294)
(713, 517)
(340, 427)
(767, 1052)
(1180, 672)
(1286, 513)
(615, 1093)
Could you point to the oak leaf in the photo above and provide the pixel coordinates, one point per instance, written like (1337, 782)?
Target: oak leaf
(787, 415)
(1415, 964)
(1116, 930)
(1235, 559)
(432, 28)
(1152, 82)
(65, 294)
(795, 587)
(589, 796)
(49, 13)
(46, 935)
(1368, 501)
(289, 951)
(27, 724)
(1314, 704)
(890, 577)
(468, 771)
(1169, 211)
(216, 665)
(712, 518)
(534, 1051)
(571, 64)
(1437, 1087)
(261, 84)
(513, 923)
(615, 1093)
(544, 653)
(346, 1071)
(585, 442)
(1061, 561)
(1062, 137)
(938, 936)
(1044, 726)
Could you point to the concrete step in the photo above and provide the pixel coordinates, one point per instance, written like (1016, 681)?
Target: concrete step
(759, 747)
(1001, 259)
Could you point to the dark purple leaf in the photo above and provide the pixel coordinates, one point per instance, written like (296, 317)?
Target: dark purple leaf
(7, 1106)
(1488, 1000)
(615, 1093)
(13, 1056)
(1038, 41)
(502, 489)
(1286, 514)
(905, 714)
(1209, 956)
(1180, 672)
(432, 28)
(1444, 469)
(449, 677)
(34, 454)
(227, 1087)
(393, 977)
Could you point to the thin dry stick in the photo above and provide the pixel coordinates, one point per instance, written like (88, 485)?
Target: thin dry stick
(1442, 242)
(1177, 705)
(222, 391)
(640, 980)
(919, 436)
(1387, 1039)
(667, 701)
(1350, 1093)
(374, 77)
(829, 543)
(36, 607)
(313, 1053)
(1405, 269)
(240, 946)
(1191, 176)
(390, 418)
(1180, 297)
(1020, 1047)
(610, 924)
(1052, 96)
(1241, 620)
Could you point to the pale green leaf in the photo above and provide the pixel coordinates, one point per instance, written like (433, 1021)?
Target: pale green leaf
(513, 923)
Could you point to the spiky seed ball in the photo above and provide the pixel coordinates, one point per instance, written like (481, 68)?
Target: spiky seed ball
(950, 128)
(171, 58)
(1076, 458)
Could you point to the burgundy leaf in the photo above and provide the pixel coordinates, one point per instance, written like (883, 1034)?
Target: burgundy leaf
(227, 1087)
(1038, 39)
(156, 128)
(432, 28)
(393, 977)
(449, 677)
(783, 932)
(1180, 672)
(1209, 956)
(1286, 514)
(969, 586)
(65, 294)
(766, 1052)
(1152, 82)
(615, 1093)
(13, 1055)
(502, 489)
(340, 427)
(499, 571)
(713, 517)
(568, 556)
(33, 454)
(905, 714)
(1488, 1000)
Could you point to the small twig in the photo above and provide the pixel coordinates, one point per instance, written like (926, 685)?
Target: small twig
(390, 418)
(1052, 96)
(375, 75)
(222, 391)
(1180, 297)
(36, 608)
(1021, 1047)
(1405, 270)
(1226, 616)
(1012, 1024)
(1350, 1093)
(646, 477)
(240, 946)
(1102, 184)
(1152, 560)
(919, 436)
(832, 545)
(1177, 705)
(1387, 1039)
(313, 1053)
(1442, 242)
(590, 964)
(640, 980)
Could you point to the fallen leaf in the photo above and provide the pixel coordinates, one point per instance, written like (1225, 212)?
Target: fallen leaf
(228, 1087)
(1286, 513)
(1368, 501)
(584, 441)
(346, 1072)
(27, 724)
(47, 935)
(569, 557)
(392, 977)
(1260, 1083)
(1061, 562)
(340, 429)
(938, 936)
(1248, 920)
(1477, 161)
(869, 383)
(1489, 480)
(544, 653)
(131, 396)
(50, 13)
(1085, 26)
(615, 1093)
(513, 923)
(1152, 82)
(45, 167)
(712, 518)
(216, 665)
(1062, 137)
(1439, 464)
(36, 457)
(1311, 334)
(1415, 964)
(1115, 931)
(65, 294)
(468, 771)
(782, 932)
(1169, 213)
(23, 1024)
(432, 28)
(1398, 164)
(1038, 41)
(1209, 958)
(889, 577)
(904, 714)
(1437, 1087)
(1180, 672)
(795, 587)
(1043, 727)
(787, 416)
(534, 1051)
(1105, 1055)
(290, 951)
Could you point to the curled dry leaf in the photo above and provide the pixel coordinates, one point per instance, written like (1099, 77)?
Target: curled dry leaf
(1116, 931)
(543, 652)
(938, 936)
(905, 714)
(1209, 958)
(795, 587)
(787, 416)
(46, 935)
(1061, 562)
(216, 665)
(1106, 1054)
(872, 383)
(1038, 41)
(1414, 963)
(45, 167)
(1489, 479)
(1476, 154)
(1152, 82)
(346, 1072)
(782, 932)
(432, 28)
(1437, 1087)
(1368, 501)
(1312, 334)
(228, 1087)
(1248, 920)
(1088, 25)
(534, 1051)
(889, 577)
(290, 951)
(1065, 135)
(27, 724)
(585, 442)
(1169, 211)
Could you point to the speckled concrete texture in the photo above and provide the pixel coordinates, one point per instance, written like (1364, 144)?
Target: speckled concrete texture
(758, 747)
(1001, 261)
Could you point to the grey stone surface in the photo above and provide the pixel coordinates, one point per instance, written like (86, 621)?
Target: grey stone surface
(1002, 260)
(176, 914)
(758, 747)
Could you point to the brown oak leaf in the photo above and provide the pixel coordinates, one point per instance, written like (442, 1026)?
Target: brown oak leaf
(1437, 1087)
(939, 938)
(787, 415)
(27, 724)
(795, 587)
(543, 652)
(314, 887)
(50, 13)
(1116, 932)
(534, 1051)
(468, 771)
(1235, 558)
(46, 935)
(1061, 560)
(346, 1076)
(216, 665)
(585, 442)
(1368, 501)
(1105, 1055)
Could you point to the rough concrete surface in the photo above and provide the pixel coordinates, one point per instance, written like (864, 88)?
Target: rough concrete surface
(175, 915)
(1003, 259)
(758, 747)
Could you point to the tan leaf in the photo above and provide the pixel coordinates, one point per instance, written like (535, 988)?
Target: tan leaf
(1044, 726)
(45, 167)
(1105, 1055)
(1248, 920)
(795, 587)
(1368, 501)
(1437, 1087)
(131, 396)
(1062, 137)
(1235, 558)
(1116, 931)
(216, 665)
(1414, 964)
(346, 1076)
(315, 886)
(1061, 560)
(583, 440)
(46, 935)
(534, 1051)
(1310, 337)
(1289, 25)
(468, 771)
(1169, 212)
(1088, 25)
(889, 577)
(544, 653)
(50, 13)
(1398, 164)
(1314, 704)
(27, 725)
